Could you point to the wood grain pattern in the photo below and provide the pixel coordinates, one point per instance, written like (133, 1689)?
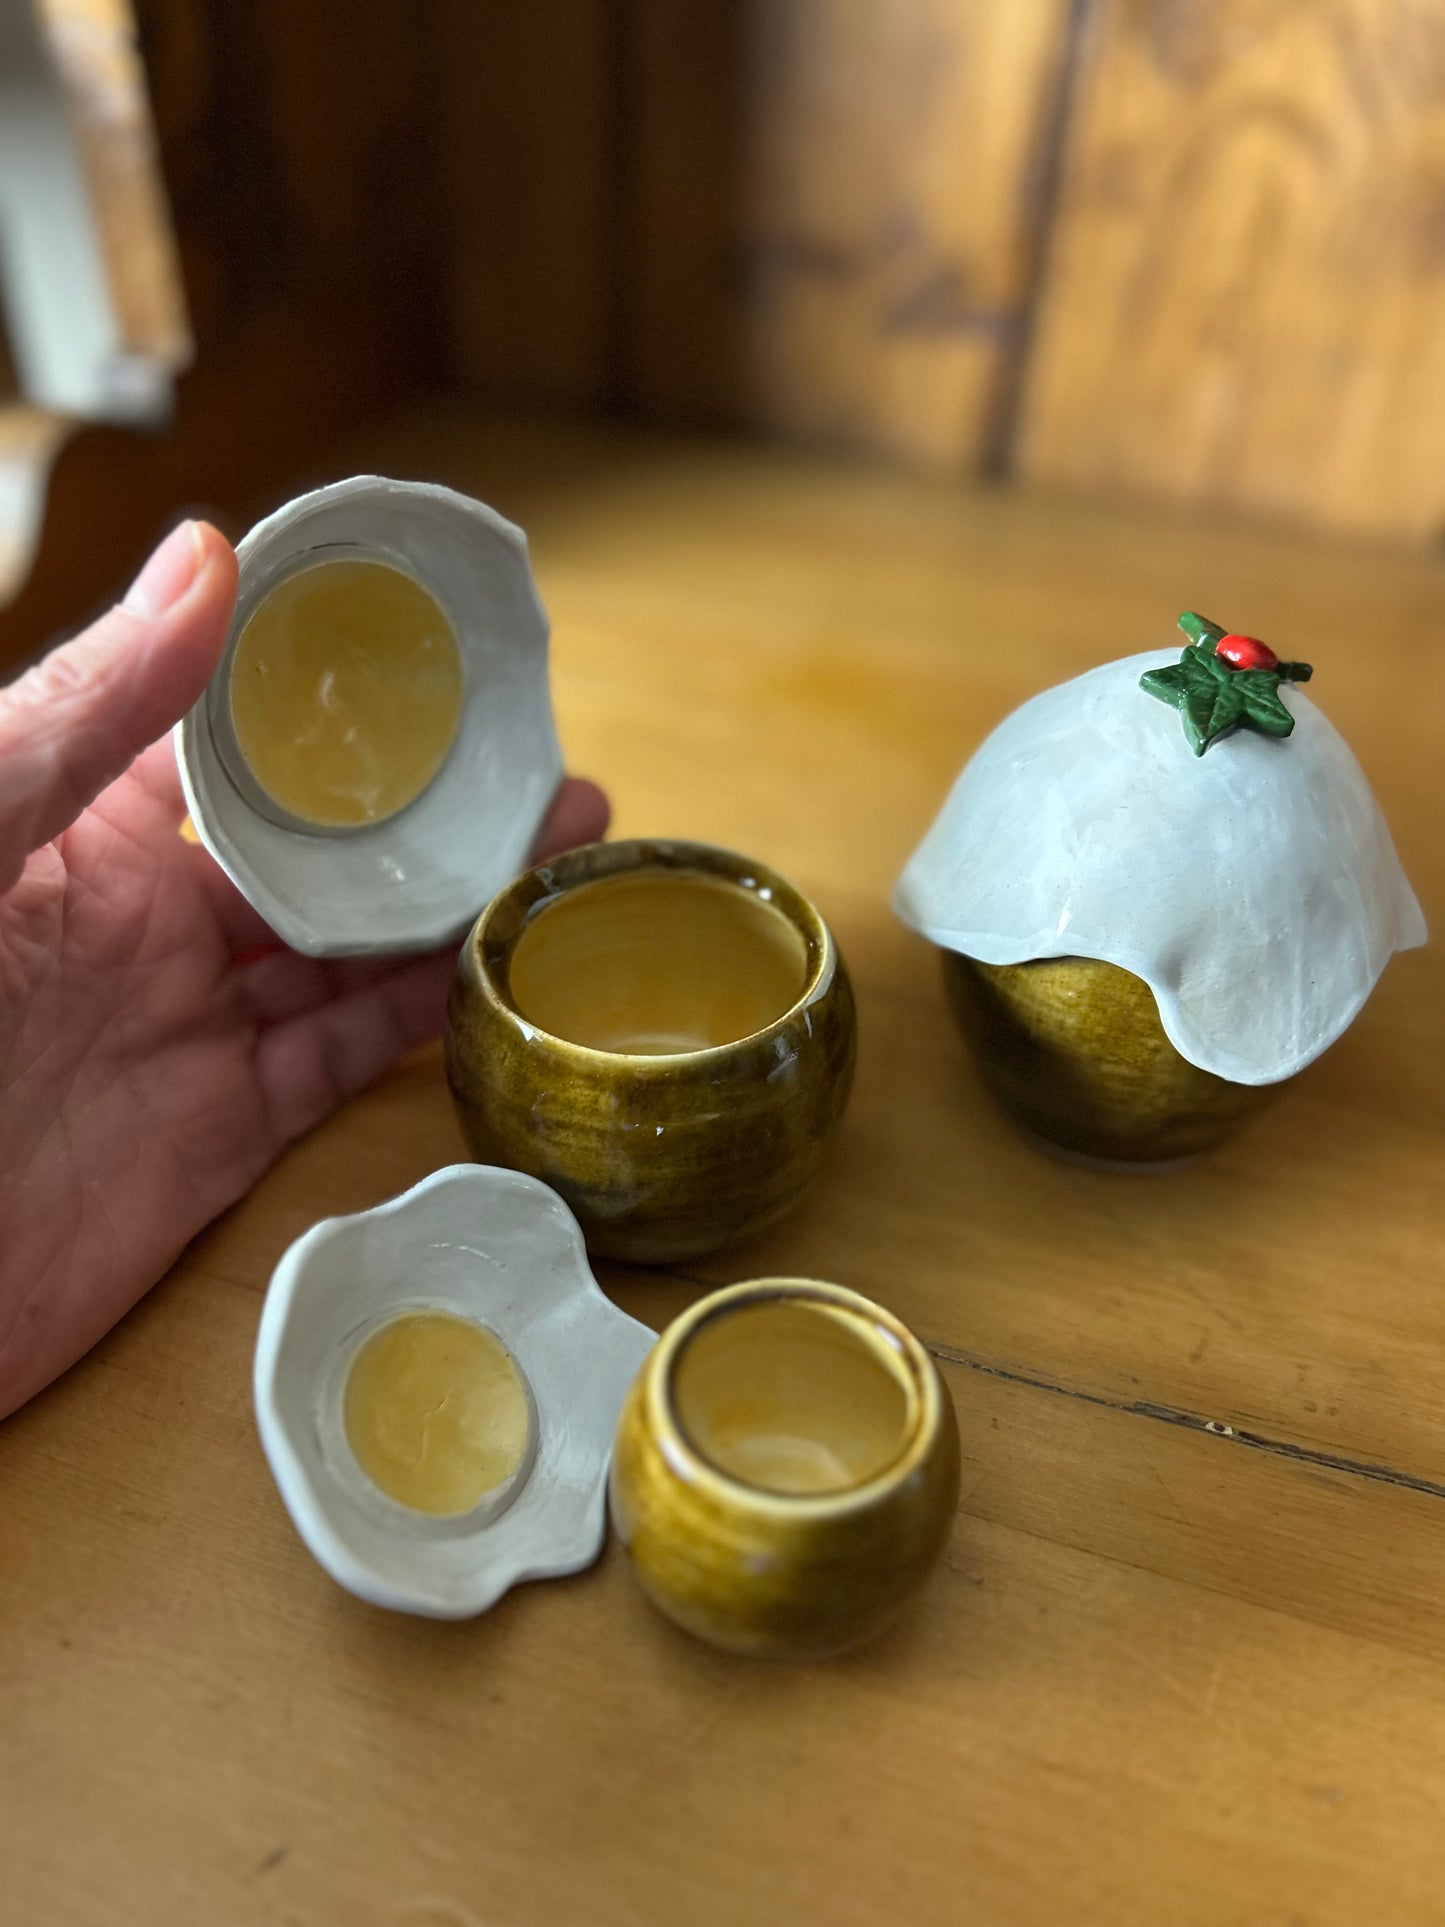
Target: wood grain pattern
(528, 186)
(884, 215)
(1245, 302)
(684, 78)
(819, 217)
(1170, 1671)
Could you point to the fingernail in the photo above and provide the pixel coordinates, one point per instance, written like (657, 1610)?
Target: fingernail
(168, 574)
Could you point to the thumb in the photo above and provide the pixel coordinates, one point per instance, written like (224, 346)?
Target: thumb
(78, 720)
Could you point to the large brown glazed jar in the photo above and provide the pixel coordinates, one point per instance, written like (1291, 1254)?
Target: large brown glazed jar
(663, 1154)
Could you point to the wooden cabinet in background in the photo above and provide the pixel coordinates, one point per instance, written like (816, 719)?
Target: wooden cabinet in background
(1120, 245)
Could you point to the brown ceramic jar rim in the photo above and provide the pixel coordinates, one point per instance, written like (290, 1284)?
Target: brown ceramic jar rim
(499, 928)
(923, 1391)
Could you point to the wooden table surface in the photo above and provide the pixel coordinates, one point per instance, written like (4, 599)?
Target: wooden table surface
(1185, 1660)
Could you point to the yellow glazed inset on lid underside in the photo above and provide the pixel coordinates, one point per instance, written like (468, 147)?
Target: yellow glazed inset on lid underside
(346, 692)
(436, 1412)
(656, 963)
(794, 1398)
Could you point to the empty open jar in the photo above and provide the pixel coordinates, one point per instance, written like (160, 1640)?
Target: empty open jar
(786, 1469)
(375, 752)
(664, 1032)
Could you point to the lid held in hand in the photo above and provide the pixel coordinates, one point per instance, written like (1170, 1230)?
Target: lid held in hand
(375, 753)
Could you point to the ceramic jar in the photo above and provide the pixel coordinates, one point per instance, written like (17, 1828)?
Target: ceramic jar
(1162, 890)
(596, 1050)
(786, 1469)
(1074, 1050)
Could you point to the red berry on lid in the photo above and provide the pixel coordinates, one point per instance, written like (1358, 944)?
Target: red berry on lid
(1246, 652)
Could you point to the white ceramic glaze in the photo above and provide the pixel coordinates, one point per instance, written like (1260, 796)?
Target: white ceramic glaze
(486, 1244)
(417, 879)
(1254, 888)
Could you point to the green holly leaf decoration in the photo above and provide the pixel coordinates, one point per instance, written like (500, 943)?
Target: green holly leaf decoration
(1214, 694)
(1201, 629)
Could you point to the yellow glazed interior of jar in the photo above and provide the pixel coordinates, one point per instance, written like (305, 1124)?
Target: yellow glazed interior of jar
(346, 692)
(795, 1398)
(657, 962)
(436, 1412)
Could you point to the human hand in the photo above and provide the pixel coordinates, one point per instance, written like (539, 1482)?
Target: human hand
(159, 1048)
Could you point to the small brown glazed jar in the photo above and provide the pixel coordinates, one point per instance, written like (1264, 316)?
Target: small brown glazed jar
(662, 1032)
(786, 1469)
(1074, 1051)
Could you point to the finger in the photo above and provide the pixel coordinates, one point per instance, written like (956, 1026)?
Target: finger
(579, 814)
(284, 984)
(312, 1063)
(82, 716)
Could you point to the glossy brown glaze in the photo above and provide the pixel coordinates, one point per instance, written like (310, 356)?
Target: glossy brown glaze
(1074, 1050)
(665, 1156)
(786, 1574)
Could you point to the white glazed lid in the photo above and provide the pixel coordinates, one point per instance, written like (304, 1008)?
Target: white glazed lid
(417, 879)
(484, 1244)
(1255, 889)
